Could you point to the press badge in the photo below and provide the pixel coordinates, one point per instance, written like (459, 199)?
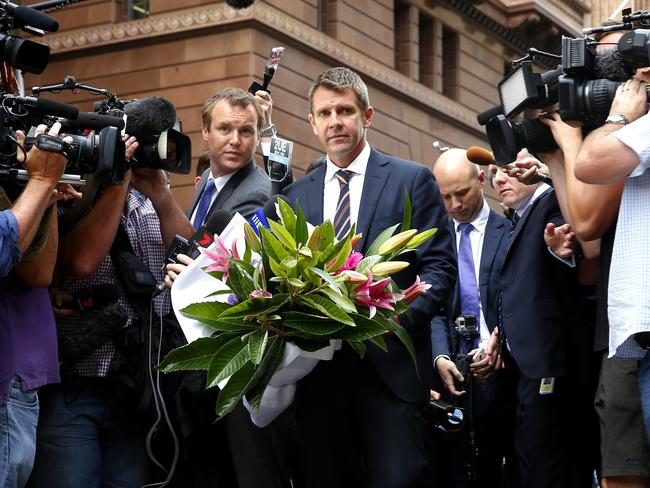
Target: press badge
(546, 386)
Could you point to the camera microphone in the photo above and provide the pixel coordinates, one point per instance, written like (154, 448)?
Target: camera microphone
(149, 116)
(93, 297)
(31, 17)
(240, 4)
(93, 121)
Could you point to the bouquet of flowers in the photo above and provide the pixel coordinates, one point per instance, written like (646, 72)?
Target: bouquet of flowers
(293, 285)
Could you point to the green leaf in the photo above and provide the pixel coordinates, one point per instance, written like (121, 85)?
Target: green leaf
(234, 390)
(289, 263)
(359, 347)
(295, 282)
(273, 360)
(310, 344)
(193, 356)
(302, 233)
(408, 212)
(379, 342)
(327, 307)
(208, 314)
(277, 269)
(241, 284)
(365, 329)
(402, 335)
(341, 300)
(287, 216)
(257, 306)
(219, 292)
(368, 262)
(342, 256)
(229, 359)
(326, 277)
(381, 238)
(272, 246)
(310, 324)
(257, 342)
(283, 236)
(327, 234)
(244, 265)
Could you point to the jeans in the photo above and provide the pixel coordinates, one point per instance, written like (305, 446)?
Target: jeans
(644, 387)
(18, 419)
(85, 440)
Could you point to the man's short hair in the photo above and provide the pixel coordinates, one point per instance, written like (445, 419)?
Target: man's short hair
(235, 97)
(203, 163)
(338, 79)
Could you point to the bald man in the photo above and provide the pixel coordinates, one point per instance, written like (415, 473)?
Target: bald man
(481, 237)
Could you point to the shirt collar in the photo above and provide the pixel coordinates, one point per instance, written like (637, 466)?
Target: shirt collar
(480, 221)
(358, 166)
(220, 181)
(536, 194)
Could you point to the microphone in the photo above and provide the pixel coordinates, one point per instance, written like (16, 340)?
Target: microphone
(269, 211)
(240, 4)
(483, 157)
(44, 105)
(93, 121)
(484, 117)
(93, 297)
(149, 116)
(29, 16)
(203, 237)
(279, 164)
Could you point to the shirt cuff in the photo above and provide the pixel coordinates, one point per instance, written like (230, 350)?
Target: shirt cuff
(440, 356)
(571, 262)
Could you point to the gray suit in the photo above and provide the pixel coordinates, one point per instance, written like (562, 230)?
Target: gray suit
(247, 190)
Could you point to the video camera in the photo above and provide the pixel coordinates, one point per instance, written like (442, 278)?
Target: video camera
(583, 85)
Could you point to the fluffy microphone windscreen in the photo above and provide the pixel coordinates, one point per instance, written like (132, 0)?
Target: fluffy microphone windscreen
(149, 116)
(480, 156)
(239, 4)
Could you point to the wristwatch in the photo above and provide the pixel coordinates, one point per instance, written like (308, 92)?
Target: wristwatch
(617, 119)
(269, 131)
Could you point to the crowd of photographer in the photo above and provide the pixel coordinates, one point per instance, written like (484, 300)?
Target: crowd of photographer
(535, 322)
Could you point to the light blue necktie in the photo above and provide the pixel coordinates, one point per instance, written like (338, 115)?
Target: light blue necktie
(469, 304)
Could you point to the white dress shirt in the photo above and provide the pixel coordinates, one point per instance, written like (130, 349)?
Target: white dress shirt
(218, 182)
(628, 293)
(476, 237)
(332, 187)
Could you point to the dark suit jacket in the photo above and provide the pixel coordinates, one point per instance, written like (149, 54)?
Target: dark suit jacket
(444, 338)
(538, 291)
(246, 191)
(382, 205)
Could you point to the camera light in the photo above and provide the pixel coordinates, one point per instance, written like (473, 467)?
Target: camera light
(517, 89)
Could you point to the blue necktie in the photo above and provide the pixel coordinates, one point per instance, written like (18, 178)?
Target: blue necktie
(469, 304)
(342, 215)
(204, 204)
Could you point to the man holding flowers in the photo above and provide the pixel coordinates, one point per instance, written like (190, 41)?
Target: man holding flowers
(360, 420)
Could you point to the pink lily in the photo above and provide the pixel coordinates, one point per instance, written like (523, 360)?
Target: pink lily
(260, 294)
(220, 256)
(351, 263)
(415, 290)
(374, 295)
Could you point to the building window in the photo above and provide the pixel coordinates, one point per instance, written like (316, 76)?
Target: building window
(137, 9)
(427, 53)
(450, 63)
(406, 39)
(327, 16)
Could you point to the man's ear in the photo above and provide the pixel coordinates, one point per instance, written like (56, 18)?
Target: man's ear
(367, 116)
(481, 178)
(205, 131)
(312, 122)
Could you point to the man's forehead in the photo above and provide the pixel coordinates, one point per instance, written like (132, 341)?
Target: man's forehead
(225, 110)
(324, 96)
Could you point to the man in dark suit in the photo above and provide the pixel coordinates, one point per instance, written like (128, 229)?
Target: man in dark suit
(481, 237)
(536, 290)
(232, 122)
(359, 421)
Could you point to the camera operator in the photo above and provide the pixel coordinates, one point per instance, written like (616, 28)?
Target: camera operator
(28, 354)
(614, 153)
(481, 239)
(88, 432)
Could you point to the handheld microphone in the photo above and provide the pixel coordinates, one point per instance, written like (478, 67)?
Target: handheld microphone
(93, 297)
(269, 211)
(483, 157)
(279, 164)
(203, 237)
(270, 67)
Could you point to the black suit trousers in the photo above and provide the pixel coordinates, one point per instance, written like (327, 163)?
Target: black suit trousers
(353, 432)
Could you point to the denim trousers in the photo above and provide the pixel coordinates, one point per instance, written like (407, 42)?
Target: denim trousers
(18, 419)
(83, 443)
(644, 387)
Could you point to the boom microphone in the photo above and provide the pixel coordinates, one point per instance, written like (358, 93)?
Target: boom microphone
(240, 4)
(149, 116)
(94, 121)
(29, 16)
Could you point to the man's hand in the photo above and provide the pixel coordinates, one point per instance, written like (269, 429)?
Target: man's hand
(152, 183)
(434, 396)
(527, 170)
(630, 100)
(264, 98)
(43, 165)
(64, 192)
(450, 375)
(566, 136)
(483, 369)
(131, 144)
(174, 269)
(58, 298)
(561, 240)
(493, 350)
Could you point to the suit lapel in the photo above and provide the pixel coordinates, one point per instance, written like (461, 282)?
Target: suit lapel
(524, 218)
(494, 232)
(311, 200)
(231, 184)
(198, 192)
(377, 172)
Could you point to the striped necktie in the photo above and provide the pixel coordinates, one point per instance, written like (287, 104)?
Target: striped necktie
(342, 215)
